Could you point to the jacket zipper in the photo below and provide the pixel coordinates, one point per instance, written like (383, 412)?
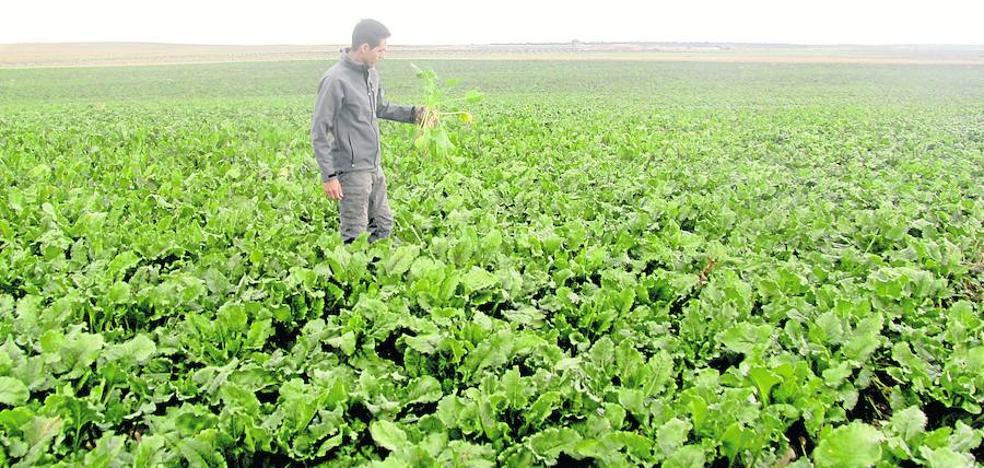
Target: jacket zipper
(351, 149)
(372, 112)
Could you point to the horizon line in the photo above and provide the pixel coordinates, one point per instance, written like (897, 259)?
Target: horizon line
(573, 41)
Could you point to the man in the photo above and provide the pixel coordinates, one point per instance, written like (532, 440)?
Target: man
(345, 134)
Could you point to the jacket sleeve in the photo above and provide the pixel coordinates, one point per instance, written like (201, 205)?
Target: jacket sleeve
(323, 140)
(385, 110)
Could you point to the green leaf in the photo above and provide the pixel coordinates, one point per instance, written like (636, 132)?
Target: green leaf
(13, 392)
(512, 384)
(28, 308)
(196, 452)
(835, 375)
(232, 318)
(550, 443)
(964, 438)
(478, 279)
(137, 350)
(15, 200)
(908, 423)
(121, 263)
(592, 448)
(424, 344)
(40, 432)
(72, 353)
(150, 452)
(945, 457)
(542, 407)
(441, 142)
(962, 321)
(633, 400)
(855, 444)
(119, 293)
(747, 338)
(388, 435)
(831, 326)
(422, 141)
(690, 456)
(449, 410)
(526, 315)
(425, 389)
(345, 342)
(399, 261)
(107, 451)
(865, 340)
(258, 333)
(737, 439)
(330, 443)
(672, 435)
(636, 445)
(237, 397)
(764, 379)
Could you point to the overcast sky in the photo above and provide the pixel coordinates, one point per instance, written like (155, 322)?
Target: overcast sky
(416, 22)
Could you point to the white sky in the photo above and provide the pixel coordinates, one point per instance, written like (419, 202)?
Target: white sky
(462, 22)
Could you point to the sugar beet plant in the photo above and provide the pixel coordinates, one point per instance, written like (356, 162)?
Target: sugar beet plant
(433, 133)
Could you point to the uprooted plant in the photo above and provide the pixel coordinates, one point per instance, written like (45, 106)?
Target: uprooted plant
(433, 135)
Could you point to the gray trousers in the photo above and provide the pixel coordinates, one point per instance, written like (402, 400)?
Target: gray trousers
(364, 205)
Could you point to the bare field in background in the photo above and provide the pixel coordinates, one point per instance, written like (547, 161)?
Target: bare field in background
(119, 54)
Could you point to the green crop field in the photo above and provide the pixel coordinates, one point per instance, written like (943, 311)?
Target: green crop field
(621, 264)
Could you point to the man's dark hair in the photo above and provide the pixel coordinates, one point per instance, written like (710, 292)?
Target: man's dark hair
(369, 31)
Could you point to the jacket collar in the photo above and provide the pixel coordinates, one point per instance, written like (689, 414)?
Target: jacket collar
(351, 63)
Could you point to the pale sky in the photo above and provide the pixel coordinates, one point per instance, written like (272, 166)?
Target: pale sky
(419, 22)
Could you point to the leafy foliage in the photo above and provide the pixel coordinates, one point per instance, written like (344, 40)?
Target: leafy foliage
(773, 275)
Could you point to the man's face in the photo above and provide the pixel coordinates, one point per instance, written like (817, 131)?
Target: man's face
(372, 55)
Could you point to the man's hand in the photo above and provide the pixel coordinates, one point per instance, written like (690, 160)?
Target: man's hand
(333, 189)
(419, 112)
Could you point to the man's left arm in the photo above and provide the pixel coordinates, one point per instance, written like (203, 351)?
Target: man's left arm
(385, 110)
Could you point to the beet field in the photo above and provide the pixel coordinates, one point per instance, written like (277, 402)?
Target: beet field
(614, 264)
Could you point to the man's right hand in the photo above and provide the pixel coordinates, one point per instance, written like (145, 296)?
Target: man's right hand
(418, 113)
(333, 189)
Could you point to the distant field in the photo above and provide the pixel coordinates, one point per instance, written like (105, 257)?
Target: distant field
(114, 54)
(608, 83)
(623, 263)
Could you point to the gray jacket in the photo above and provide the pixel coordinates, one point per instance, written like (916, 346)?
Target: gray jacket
(345, 124)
